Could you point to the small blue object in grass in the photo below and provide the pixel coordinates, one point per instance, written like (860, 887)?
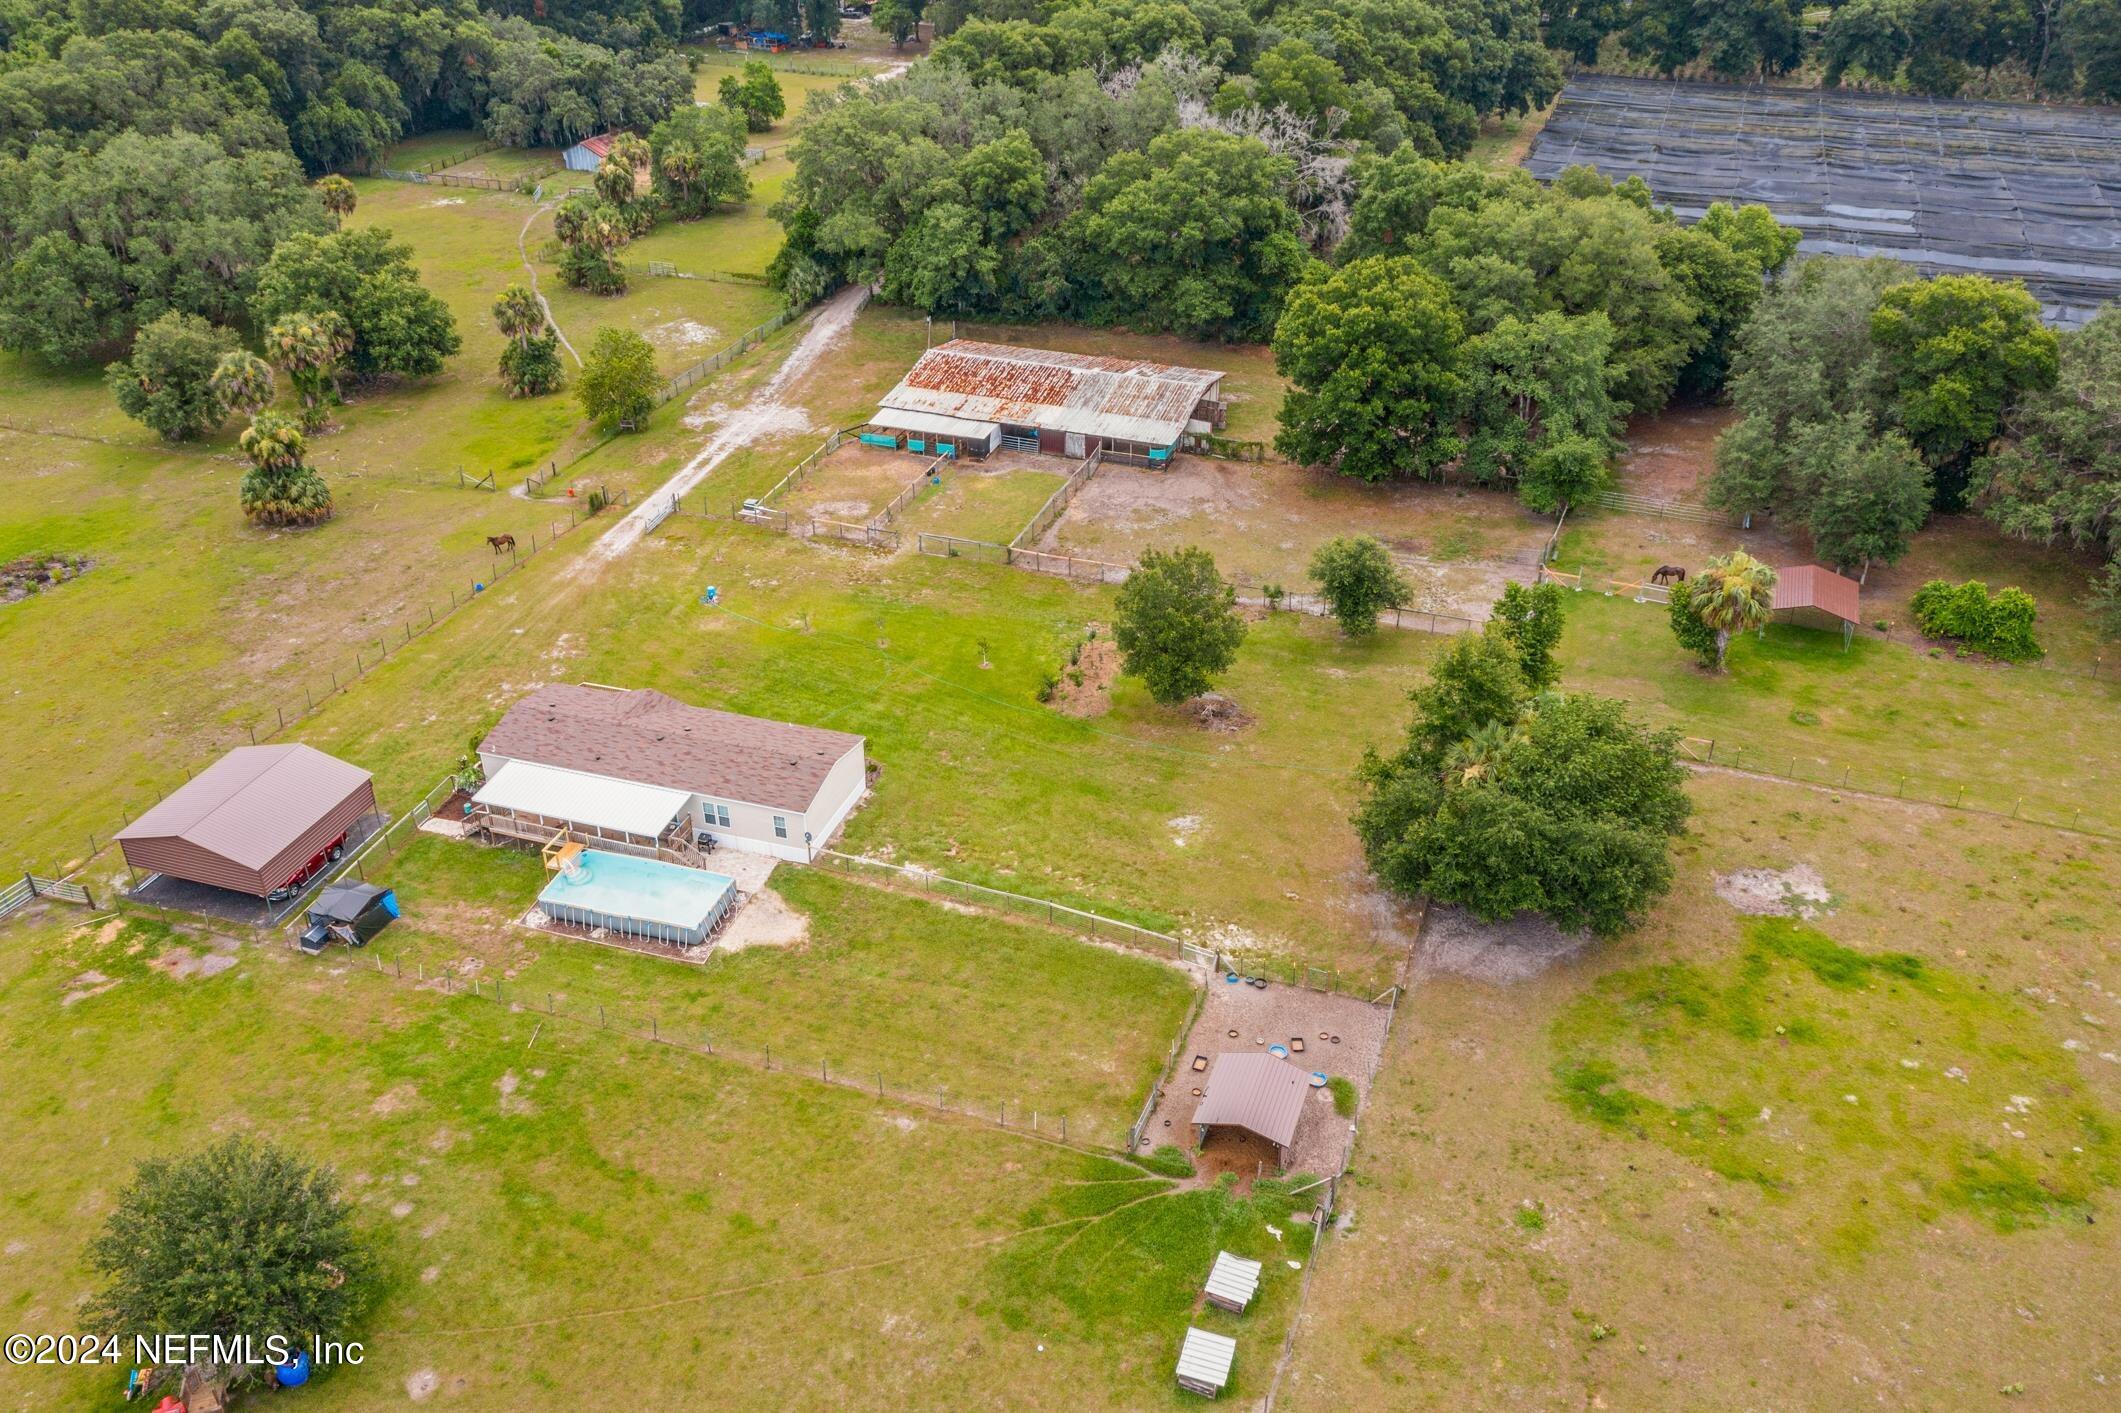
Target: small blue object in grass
(711, 595)
(1233, 978)
(1279, 1052)
(295, 1372)
(477, 587)
(1318, 1079)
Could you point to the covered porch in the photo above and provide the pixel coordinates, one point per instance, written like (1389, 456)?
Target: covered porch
(542, 805)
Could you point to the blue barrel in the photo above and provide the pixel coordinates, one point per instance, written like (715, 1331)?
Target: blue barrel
(295, 1372)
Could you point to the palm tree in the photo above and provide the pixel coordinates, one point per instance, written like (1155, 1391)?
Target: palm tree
(337, 195)
(242, 382)
(618, 174)
(279, 489)
(518, 314)
(681, 168)
(1734, 594)
(309, 347)
(1478, 755)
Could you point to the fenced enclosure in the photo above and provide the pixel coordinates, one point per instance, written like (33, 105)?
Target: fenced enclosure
(813, 527)
(426, 169)
(666, 270)
(1057, 504)
(1222, 448)
(1642, 591)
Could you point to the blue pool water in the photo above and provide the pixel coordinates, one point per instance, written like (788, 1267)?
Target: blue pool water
(643, 896)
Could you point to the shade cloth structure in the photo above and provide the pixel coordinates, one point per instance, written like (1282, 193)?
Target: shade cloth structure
(252, 820)
(1819, 598)
(1204, 1361)
(1257, 1093)
(597, 801)
(1092, 395)
(2009, 190)
(1233, 1282)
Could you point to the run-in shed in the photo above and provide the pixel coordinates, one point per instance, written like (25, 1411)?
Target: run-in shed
(1811, 597)
(1260, 1094)
(255, 821)
(1232, 1283)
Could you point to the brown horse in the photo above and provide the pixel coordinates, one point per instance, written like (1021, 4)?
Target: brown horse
(502, 542)
(1668, 574)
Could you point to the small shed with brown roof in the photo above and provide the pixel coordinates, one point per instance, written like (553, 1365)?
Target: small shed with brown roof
(1261, 1094)
(254, 821)
(641, 768)
(1812, 597)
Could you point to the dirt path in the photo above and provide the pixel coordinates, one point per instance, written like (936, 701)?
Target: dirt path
(523, 250)
(763, 415)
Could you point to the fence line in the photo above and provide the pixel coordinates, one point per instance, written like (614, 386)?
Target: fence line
(1723, 753)
(721, 358)
(1552, 547)
(865, 1078)
(30, 887)
(273, 718)
(463, 179)
(1057, 504)
(664, 269)
(1630, 503)
(477, 149)
(883, 518)
(1097, 925)
(1170, 1065)
(1222, 448)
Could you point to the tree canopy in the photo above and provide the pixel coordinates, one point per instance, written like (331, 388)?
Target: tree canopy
(367, 279)
(619, 382)
(1176, 624)
(168, 382)
(242, 1238)
(1358, 579)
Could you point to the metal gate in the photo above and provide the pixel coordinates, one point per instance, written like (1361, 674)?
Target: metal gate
(1017, 441)
(1198, 956)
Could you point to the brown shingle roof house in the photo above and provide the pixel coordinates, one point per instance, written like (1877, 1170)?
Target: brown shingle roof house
(252, 820)
(748, 781)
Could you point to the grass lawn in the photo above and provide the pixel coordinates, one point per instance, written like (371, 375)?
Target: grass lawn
(991, 1011)
(974, 503)
(1795, 702)
(1638, 1178)
(572, 1215)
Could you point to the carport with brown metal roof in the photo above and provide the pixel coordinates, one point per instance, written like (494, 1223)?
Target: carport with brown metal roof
(1811, 597)
(253, 821)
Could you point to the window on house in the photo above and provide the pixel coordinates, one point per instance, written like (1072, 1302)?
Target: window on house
(715, 815)
(780, 826)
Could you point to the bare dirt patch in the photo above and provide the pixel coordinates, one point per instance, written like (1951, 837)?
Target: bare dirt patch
(1085, 686)
(1455, 943)
(765, 920)
(35, 573)
(1670, 454)
(1797, 891)
(1212, 711)
(87, 984)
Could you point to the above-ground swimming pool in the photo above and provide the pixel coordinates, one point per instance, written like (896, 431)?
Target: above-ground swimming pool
(639, 897)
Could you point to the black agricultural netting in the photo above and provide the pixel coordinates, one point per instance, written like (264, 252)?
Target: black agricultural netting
(2005, 189)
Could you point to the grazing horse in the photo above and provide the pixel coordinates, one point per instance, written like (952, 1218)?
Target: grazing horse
(1668, 574)
(502, 542)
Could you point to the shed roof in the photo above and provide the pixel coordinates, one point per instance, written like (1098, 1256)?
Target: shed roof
(1205, 1358)
(1125, 398)
(600, 145)
(595, 800)
(652, 739)
(1234, 1280)
(253, 803)
(1261, 1093)
(1808, 586)
(936, 424)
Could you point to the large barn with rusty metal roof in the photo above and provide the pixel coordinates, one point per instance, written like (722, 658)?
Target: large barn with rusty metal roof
(971, 398)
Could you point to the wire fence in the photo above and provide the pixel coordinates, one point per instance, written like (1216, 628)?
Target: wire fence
(2095, 815)
(666, 270)
(638, 1020)
(30, 887)
(722, 358)
(1057, 504)
(884, 518)
(477, 149)
(1091, 924)
(1629, 503)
